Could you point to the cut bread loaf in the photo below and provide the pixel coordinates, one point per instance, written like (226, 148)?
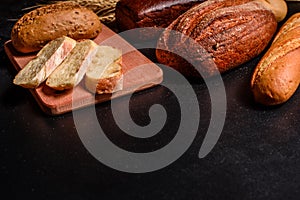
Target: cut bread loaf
(47, 59)
(71, 71)
(104, 74)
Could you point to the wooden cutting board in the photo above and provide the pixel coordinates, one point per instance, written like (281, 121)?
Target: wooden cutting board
(139, 73)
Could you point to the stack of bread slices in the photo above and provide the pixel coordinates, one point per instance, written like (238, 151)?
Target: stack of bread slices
(64, 62)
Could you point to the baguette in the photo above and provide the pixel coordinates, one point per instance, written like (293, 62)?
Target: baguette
(36, 28)
(47, 59)
(71, 71)
(277, 75)
(104, 75)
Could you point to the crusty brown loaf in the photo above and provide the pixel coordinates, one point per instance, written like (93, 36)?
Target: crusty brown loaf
(277, 75)
(218, 35)
(151, 13)
(46, 23)
(132, 14)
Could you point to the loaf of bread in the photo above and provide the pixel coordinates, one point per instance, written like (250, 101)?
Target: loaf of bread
(47, 59)
(104, 74)
(132, 14)
(72, 70)
(277, 75)
(46, 23)
(216, 35)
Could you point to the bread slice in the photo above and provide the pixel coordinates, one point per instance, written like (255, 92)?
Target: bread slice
(104, 74)
(71, 71)
(47, 59)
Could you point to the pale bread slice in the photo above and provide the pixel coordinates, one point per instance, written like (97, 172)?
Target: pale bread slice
(48, 58)
(104, 74)
(71, 71)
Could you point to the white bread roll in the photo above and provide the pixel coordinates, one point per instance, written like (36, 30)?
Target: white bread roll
(104, 74)
(47, 59)
(71, 71)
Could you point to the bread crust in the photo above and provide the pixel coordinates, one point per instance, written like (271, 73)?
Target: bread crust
(105, 74)
(277, 75)
(219, 36)
(46, 23)
(152, 13)
(132, 14)
(111, 84)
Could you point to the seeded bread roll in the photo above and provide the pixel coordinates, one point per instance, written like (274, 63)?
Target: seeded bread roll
(71, 71)
(48, 58)
(104, 74)
(46, 23)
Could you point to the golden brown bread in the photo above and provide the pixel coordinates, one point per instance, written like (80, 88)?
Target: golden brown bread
(217, 35)
(277, 75)
(46, 23)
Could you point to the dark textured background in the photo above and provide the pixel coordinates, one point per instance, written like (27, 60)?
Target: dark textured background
(41, 156)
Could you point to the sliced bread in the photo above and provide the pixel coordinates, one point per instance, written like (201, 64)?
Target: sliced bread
(104, 74)
(47, 59)
(71, 71)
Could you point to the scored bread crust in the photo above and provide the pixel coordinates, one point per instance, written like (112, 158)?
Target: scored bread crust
(36, 28)
(216, 36)
(277, 75)
(71, 71)
(105, 74)
(47, 59)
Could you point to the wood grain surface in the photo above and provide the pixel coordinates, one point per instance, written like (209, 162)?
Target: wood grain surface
(139, 73)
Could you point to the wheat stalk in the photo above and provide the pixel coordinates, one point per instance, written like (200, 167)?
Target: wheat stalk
(105, 9)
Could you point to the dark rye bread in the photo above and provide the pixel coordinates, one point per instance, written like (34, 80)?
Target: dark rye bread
(218, 35)
(132, 14)
(46, 23)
